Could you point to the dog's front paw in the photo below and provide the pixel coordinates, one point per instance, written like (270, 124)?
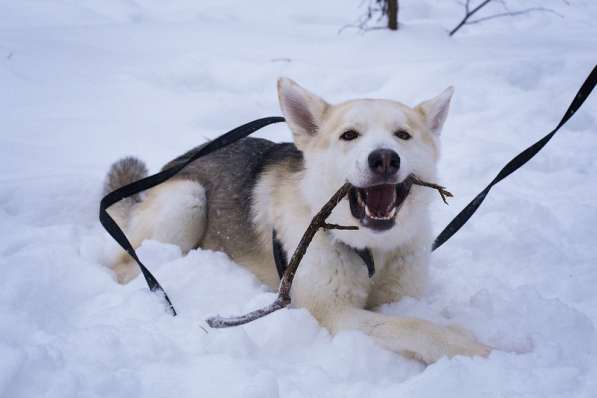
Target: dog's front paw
(125, 272)
(450, 342)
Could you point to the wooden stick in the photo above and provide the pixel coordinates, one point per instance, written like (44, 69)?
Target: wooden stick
(283, 299)
(286, 283)
(443, 192)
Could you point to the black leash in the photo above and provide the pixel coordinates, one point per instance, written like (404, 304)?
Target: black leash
(148, 182)
(516, 163)
(279, 254)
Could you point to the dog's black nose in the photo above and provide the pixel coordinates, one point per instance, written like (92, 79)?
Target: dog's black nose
(384, 162)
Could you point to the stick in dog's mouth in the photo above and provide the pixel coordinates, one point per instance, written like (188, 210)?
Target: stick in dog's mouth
(376, 207)
(317, 222)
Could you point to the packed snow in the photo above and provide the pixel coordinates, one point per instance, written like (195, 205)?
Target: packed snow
(86, 82)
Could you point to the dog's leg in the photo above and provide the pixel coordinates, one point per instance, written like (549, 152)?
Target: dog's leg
(333, 285)
(173, 212)
(412, 337)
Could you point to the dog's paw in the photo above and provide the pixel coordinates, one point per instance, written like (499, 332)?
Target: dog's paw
(125, 272)
(452, 341)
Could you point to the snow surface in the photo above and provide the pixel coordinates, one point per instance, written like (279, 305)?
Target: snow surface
(85, 82)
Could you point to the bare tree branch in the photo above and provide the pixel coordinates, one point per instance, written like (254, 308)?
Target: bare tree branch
(513, 14)
(468, 13)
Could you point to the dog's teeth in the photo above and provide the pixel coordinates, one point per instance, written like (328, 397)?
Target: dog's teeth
(360, 199)
(368, 212)
(388, 216)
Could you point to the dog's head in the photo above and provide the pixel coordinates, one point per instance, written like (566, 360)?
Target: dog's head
(373, 144)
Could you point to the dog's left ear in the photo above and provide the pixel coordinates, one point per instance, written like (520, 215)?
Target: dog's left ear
(435, 110)
(303, 110)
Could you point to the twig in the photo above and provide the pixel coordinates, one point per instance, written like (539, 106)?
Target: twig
(283, 299)
(341, 227)
(443, 192)
(284, 290)
(468, 13)
(513, 14)
(218, 321)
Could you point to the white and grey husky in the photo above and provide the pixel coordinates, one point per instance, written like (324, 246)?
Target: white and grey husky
(233, 199)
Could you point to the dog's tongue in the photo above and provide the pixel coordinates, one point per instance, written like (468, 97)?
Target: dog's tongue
(380, 198)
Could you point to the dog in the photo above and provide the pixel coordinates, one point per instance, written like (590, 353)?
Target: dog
(233, 199)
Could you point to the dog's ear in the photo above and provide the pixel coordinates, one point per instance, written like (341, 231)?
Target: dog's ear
(303, 110)
(435, 110)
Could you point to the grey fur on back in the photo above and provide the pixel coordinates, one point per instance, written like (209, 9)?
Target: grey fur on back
(229, 176)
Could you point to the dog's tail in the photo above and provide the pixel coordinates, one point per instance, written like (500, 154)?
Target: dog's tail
(123, 172)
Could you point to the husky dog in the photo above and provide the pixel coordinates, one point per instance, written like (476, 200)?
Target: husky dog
(232, 200)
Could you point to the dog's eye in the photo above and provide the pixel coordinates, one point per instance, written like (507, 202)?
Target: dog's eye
(349, 135)
(403, 135)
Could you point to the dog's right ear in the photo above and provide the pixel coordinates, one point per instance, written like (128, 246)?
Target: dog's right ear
(303, 110)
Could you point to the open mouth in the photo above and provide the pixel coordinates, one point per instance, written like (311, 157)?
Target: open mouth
(376, 206)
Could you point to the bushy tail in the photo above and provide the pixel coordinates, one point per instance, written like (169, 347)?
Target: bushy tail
(123, 172)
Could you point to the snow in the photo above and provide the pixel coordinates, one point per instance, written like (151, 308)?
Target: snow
(86, 82)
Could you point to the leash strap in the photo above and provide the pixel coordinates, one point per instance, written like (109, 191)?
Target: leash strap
(151, 181)
(367, 257)
(280, 257)
(518, 161)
